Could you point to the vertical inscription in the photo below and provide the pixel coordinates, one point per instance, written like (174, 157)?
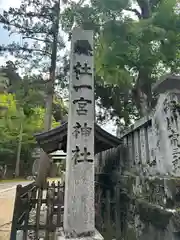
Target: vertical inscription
(79, 213)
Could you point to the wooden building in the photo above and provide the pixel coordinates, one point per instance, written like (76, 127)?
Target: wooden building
(56, 139)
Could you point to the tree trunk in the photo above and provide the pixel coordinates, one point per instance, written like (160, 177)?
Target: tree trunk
(44, 159)
(18, 159)
(145, 8)
(5, 170)
(143, 104)
(141, 96)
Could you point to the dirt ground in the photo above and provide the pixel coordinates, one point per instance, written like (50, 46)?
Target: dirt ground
(6, 212)
(7, 196)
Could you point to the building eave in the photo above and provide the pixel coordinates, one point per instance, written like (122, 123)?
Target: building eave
(56, 139)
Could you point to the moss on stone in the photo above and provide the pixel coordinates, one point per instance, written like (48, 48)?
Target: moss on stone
(156, 181)
(130, 182)
(130, 234)
(176, 220)
(109, 233)
(152, 214)
(127, 182)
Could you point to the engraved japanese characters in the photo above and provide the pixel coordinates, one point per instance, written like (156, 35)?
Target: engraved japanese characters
(79, 188)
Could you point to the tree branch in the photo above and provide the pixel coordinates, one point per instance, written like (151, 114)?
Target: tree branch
(145, 8)
(38, 15)
(30, 50)
(38, 39)
(135, 11)
(78, 3)
(5, 21)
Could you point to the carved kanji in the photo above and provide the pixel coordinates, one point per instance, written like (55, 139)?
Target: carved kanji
(76, 130)
(82, 104)
(77, 87)
(85, 155)
(77, 70)
(86, 131)
(76, 154)
(170, 112)
(84, 69)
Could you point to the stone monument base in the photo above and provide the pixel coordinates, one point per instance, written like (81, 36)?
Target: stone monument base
(60, 236)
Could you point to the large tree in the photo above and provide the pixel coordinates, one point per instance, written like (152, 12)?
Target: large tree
(135, 43)
(30, 89)
(38, 23)
(27, 97)
(16, 132)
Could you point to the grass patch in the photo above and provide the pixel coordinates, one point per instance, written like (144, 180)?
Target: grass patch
(26, 180)
(13, 180)
(54, 179)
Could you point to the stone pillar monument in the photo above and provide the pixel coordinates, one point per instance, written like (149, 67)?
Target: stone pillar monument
(79, 212)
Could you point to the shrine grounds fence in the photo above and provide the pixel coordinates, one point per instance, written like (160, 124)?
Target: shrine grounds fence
(37, 210)
(110, 217)
(108, 213)
(47, 208)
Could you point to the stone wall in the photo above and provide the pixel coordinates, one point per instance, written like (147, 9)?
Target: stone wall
(147, 175)
(154, 141)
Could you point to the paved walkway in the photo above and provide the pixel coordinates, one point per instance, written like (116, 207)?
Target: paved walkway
(7, 195)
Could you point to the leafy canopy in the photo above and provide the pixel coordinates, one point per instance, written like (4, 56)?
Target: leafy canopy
(136, 42)
(11, 119)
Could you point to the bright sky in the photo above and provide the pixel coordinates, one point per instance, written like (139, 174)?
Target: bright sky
(5, 39)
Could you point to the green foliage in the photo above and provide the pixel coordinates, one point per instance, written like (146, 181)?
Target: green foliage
(10, 122)
(35, 21)
(23, 104)
(117, 102)
(26, 106)
(136, 42)
(38, 24)
(132, 50)
(31, 89)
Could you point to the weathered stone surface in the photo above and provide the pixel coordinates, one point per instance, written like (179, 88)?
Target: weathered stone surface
(154, 142)
(150, 208)
(152, 181)
(166, 84)
(95, 236)
(79, 183)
